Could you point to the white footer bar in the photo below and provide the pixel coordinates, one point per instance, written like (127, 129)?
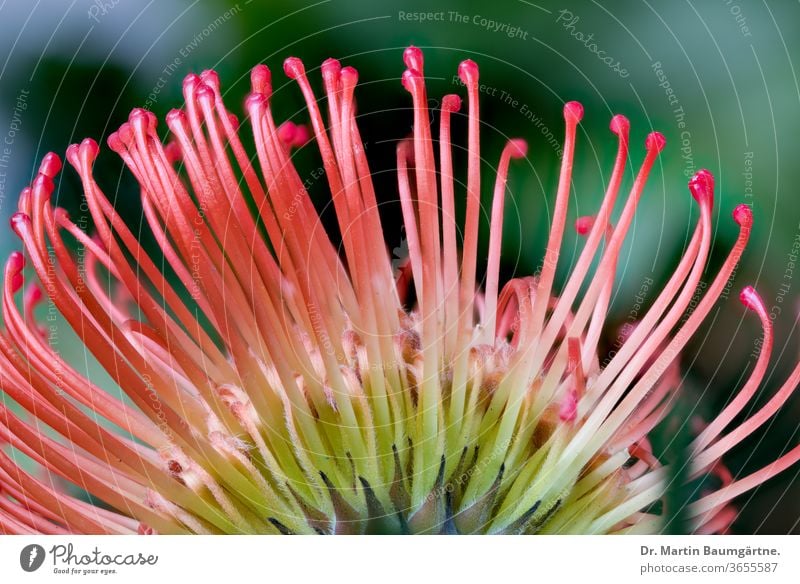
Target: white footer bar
(398, 559)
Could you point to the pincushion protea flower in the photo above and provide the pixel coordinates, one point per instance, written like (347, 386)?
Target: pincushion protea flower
(277, 385)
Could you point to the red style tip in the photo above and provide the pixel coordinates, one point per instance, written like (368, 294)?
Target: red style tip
(89, 149)
(573, 111)
(261, 79)
(204, 93)
(410, 77)
(348, 76)
(468, 72)
(17, 221)
(255, 103)
(14, 266)
(413, 58)
(301, 135)
(51, 165)
(569, 407)
(517, 148)
(15, 263)
(72, 155)
(706, 176)
(24, 197)
(125, 134)
(115, 143)
(701, 185)
(42, 185)
(286, 132)
(743, 215)
(210, 78)
(330, 69)
(293, 135)
(143, 121)
(33, 296)
(655, 141)
(451, 102)
(293, 67)
(752, 301)
(584, 224)
(620, 125)
(60, 215)
(175, 117)
(17, 281)
(190, 82)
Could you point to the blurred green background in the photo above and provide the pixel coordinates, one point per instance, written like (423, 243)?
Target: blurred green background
(718, 78)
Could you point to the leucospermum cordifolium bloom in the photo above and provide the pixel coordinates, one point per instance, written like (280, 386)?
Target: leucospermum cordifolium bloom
(277, 382)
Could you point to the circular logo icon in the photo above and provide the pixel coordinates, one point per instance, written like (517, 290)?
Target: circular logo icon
(31, 557)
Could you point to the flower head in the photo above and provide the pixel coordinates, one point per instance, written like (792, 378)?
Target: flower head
(274, 382)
